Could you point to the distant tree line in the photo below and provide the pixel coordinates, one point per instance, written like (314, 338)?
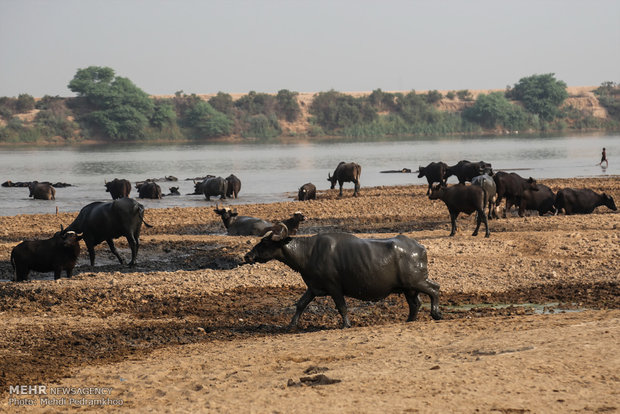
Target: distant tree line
(112, 108)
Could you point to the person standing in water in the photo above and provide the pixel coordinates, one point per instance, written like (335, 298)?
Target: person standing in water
(604, 159)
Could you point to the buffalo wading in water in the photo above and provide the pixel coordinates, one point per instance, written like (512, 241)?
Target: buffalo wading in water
(100, 221)
(346, 173)
(149, 189)
(213, 187)
(234, 186)
(58, 253)
(340, 264)
(118, 188)
(41, 191)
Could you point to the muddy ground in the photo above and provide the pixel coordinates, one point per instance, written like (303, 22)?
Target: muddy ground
(530, 315)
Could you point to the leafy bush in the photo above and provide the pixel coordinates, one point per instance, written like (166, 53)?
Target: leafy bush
(261, 126)
(120, 110)
(465, 95)
(25, 103)
(287, 105)
(334, 111)
(164, 114)
(494, 110)
(609, 97)
(432, 97)
(222, 102)
(451, 95)
(540, 94)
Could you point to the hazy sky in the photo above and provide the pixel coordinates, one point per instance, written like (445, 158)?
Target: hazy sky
(307, 46)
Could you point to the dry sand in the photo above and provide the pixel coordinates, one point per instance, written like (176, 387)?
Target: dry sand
(194, 329)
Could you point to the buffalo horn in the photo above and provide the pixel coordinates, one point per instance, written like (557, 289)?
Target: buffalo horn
(268, 234)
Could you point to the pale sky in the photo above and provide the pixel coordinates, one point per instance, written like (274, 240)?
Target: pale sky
(307, 46)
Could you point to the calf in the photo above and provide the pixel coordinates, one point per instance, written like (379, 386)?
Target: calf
(42, 191)
(340, 264)
(292, 224)
(541, 200)
(307, 192)
(463, 199)
(582, 201)
(55, 254)
(435, 172)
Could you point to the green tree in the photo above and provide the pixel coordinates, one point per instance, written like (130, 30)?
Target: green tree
(540, 94)
(115, 106)
(287, 105)
(206, 121)
(223, 103)
(494, 110)
(24, 103)
(163, 114)
(334, 110)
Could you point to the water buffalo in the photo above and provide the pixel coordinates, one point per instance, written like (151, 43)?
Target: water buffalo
(51, 255)
(435, 172)
(42, 191)
(199, 182)
(101, 221)
(340, 264)
(237, 225)
(512, 186)
(463, 199)
(346, 173)
(174, 191)
(216, 186)
(581, 201)
(541, 200)
(466, 170)
(307, 192)
(485, 181)
(118, 188)
(292, 224)
(234, 186)
(149, 189)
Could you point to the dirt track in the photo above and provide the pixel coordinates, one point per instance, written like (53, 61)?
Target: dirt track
(191, 295)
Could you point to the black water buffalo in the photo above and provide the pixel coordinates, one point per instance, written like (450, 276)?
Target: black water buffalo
(346, 173)
(307, 192)
(234, 186)
(42, 191)
(488, 184)
(216, 186)
(435, 172)
(10, 183)
(463, 199)
(199, 182)
(118, 188)
(174, 191)
(581, 201)
(100, 221)
(466, 170)
(149, 189)
(541, 200)
(237, 225)
(51, 255)
(340, 264)
(512, 186)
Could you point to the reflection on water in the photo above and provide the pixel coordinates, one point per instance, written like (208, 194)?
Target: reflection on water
(273, 172)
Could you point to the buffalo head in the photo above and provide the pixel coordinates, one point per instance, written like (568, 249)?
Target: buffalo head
(270, 246)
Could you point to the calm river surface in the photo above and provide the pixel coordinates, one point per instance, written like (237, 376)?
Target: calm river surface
(274, 172)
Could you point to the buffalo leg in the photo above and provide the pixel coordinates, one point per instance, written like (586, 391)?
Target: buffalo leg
(302, 303)
(413, 299)
(432, 290)
(57, 273)
(21, 273)
(91, 253)
(340, 184)
(357, 189)
(341, 305)
(480, 217)
(453, 217)
(113, 250)
(133, 244)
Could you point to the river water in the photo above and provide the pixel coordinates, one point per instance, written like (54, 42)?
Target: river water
(273, 172)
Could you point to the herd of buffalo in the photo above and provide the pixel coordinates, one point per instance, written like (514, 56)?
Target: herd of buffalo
(338, 265)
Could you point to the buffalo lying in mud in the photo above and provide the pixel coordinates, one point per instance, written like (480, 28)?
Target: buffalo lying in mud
(340, 264)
